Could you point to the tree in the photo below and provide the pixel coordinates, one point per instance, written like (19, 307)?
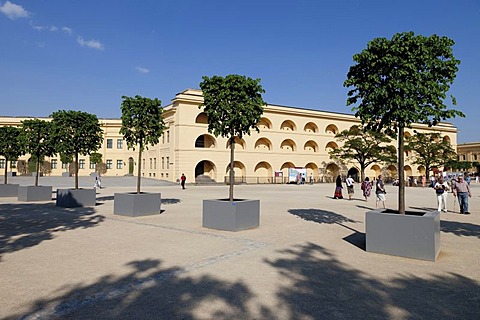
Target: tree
(76, 133)
(142, 124)
(11, 146)
(401, 81)
(66, 159)
(365, 147)
(454, 164)
(96, 159)
(234, 106)
(429, 150)
(38, 140)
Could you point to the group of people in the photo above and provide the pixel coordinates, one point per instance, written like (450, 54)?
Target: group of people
(366, 187)
(459, 187)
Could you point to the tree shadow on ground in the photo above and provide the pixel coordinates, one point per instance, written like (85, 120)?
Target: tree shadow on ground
(148, 291)
(460, 228)
(323, 217)
(170, 201)
(27, 225)
(316, 285)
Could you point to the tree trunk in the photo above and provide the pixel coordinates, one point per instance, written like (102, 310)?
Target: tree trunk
(6, 171)
(427, 173)
(139, 169)
(362, 172)
(76, 170)
(401, 172)
(232, 172)
(37, 167)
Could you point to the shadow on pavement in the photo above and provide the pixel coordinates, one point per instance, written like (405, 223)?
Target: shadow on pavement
(322, 216)
(27, 225)
(316, 285)
(148, 291)
(460, 228)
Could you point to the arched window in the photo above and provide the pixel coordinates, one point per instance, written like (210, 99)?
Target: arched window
(288, 125)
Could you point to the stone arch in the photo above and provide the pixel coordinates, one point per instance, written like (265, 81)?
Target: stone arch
(284, 168)
(238, 169)
(390, 173)
(332, 170)
(311, 146)
(288, 125)
(288, 145)
(331, 129)
(205, 169)
(239, 144)
(375, 171)
(421, 170)
(447, 139)
(312, 168)
(408, 171)
(202, 118)
(263, 169)
(407, 134)
(331, 146)
(264, 123)
(311, 127)
(263, 144)
(354, 173)
(205, 141)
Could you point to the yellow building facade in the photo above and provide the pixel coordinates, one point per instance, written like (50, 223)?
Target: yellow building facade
(288, 138)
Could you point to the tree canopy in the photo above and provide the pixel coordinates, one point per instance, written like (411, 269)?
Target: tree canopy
(401, 81)
(38, 140)
(11, 146)
(429, 150)
(142, 124)
(75, 133)
(234, 107)
(364, 146)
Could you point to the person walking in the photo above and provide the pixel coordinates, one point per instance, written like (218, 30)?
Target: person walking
(441, 190)
(350, 182)
(461, 190)
(311, 178)
(182, 181)
(366, 188)
(380, 192)
(338, 188)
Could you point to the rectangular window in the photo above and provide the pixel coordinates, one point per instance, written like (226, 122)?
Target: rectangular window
(168, 162)
(2, 163)
(92, 165)
(109, 164)
(109, 143)
(163, 138)
(474, 157)
(119, 143)
(13, 164)
(163, 163)
(168, 136)
(54, 164)
(143, 165)
(81, 164)
(150, 163)
(119, 164)
(154, 163)
(64, 165)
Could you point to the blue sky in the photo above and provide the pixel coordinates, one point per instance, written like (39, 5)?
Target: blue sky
(84, 55)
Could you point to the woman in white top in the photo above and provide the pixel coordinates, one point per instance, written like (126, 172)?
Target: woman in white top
(441, 189)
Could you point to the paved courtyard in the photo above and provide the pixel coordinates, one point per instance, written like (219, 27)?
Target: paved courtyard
(307, 259)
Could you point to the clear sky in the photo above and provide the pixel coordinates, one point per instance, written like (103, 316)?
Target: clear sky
(84, 54)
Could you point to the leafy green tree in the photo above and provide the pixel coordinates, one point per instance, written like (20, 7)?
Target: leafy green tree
(76, 133)
(429, 150)
(11, 146)
(96, 158)
(142, 124)
(364, 146)
(401, 81)
(454, 164)
(234, 106)
(36, 135)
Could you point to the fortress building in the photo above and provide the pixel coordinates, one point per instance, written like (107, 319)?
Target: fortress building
(288, 138)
